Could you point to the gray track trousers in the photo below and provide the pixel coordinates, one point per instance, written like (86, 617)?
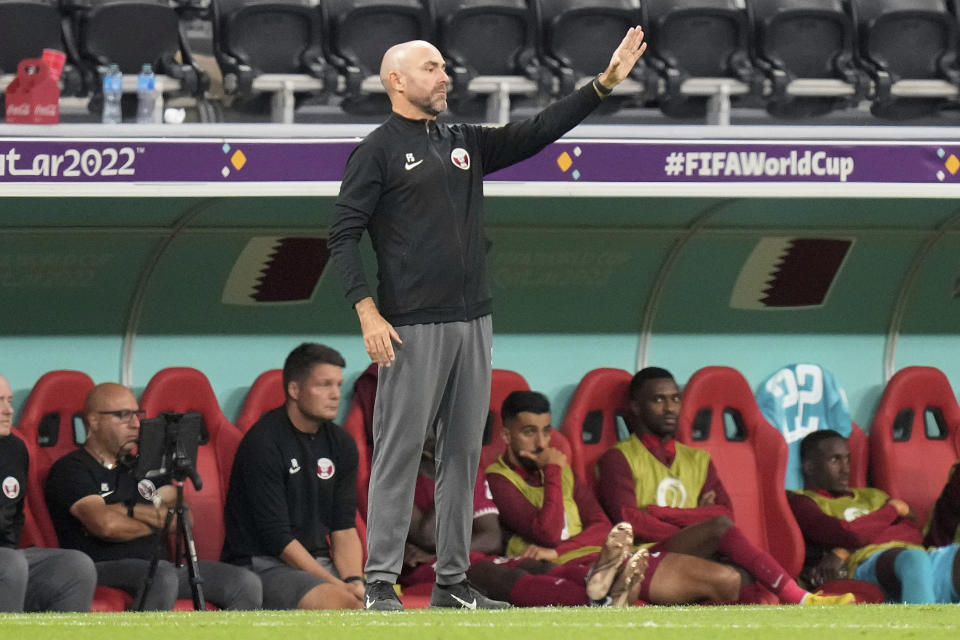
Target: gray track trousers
(439, 383)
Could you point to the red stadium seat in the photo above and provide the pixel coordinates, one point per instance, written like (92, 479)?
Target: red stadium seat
(47, 425)
(30, 535)
(265, 394)
(915, 437)
(355, 425)
(720, 414)
(789, 385)
(590, 423)
(183, 389)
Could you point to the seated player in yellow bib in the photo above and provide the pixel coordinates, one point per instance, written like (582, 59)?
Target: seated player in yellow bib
(864, 533)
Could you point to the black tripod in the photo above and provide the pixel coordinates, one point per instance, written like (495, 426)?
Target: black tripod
(183, 545)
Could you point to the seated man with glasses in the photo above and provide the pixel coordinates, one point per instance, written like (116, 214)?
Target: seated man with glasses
(98, 507)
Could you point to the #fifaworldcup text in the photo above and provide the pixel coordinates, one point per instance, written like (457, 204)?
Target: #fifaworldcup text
(757, 163)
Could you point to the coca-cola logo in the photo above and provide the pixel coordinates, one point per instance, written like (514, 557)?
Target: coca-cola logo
(45, 110)
(18, 109)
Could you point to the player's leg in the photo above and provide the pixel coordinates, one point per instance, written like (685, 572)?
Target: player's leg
(408, 393)
(720, 535)
(459, 430)
(60, 580)
(14, 571)
(681, 579)
(287, 588)
(130, 575)
(225, 585)
(945, 563)
(701, 539)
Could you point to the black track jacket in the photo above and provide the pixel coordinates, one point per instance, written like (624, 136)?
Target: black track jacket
(417, 187)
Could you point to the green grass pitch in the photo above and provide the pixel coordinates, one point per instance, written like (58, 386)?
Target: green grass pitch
(870, 622)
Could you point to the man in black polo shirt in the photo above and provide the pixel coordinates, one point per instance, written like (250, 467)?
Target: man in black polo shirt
(293, 485)
(98, 507)
(32, 579)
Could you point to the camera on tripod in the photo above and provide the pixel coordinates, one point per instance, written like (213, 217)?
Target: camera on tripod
(168, 447)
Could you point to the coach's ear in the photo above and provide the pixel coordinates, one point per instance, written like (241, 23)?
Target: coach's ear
(293, 390)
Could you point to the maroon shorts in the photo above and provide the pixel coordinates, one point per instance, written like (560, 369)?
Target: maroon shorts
(657, 553)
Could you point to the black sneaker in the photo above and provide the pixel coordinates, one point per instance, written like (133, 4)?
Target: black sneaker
(380, 596)
(462, 595)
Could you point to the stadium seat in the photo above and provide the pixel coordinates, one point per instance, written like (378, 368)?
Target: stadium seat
(272, 49)
(802, 398)
(806, 49)
(578, 38)
(719, 414)
(180, 390)
(914, 437)
(359, 424)
(130, 33)
(27, 27)
(30, 535)
(50, 422)
(491, 47)
(909, 49)
(265, 393)
(701, 49)
(360, 32)
(590, 422)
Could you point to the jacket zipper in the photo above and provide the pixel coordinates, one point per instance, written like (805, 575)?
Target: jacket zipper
(456, 225)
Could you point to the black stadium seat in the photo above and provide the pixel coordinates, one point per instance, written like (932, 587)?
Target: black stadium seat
(909, 48)
(806, 49)
(272, 47)
(130, 33)
(491, 47)
(580, 35)
(701, 50)
(360, 31)
(27, 27)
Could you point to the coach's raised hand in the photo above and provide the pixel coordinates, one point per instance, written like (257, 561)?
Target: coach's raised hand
(623, 60)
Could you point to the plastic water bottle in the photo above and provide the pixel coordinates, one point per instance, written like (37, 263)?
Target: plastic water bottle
(112, 93)
(146, 95)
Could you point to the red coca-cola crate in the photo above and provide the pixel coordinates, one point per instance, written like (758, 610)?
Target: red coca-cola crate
(34, 95)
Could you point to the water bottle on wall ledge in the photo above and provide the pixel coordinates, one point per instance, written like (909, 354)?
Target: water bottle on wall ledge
(146, 95)
(112, 94)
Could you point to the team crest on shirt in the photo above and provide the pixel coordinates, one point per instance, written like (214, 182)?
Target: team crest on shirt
(147, 489)
(460, 158)
(671, 493)
(11, 487)
(325, 468)
(852, 513)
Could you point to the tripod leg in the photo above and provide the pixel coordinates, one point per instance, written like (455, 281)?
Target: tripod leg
(185, 536)
(155, 561)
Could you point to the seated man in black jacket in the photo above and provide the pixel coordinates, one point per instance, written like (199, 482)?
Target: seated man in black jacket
(293, 484)
(32, 579)
(98, 506)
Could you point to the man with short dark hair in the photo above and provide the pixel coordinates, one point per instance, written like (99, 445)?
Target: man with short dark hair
(32, 579)
(864, 533)
(293, 484)
(663, 487)
(99, 507)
